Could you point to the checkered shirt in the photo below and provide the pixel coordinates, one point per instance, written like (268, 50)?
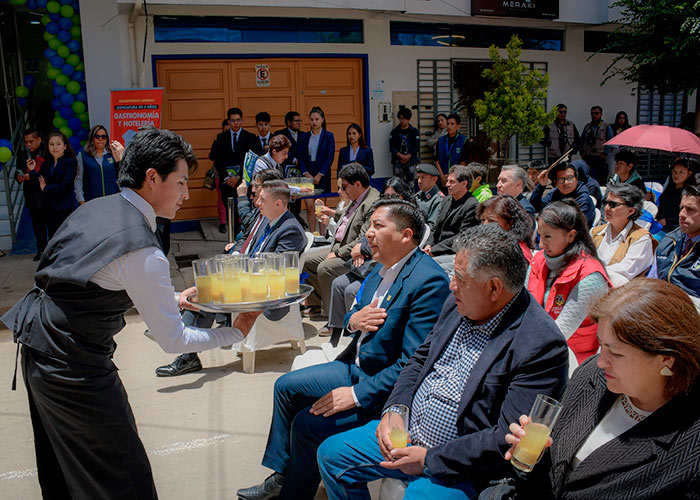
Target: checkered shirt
(433, 418)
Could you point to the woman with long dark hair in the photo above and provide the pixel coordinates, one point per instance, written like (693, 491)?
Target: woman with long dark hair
(356, 150)
(316, 154)
(566, 277)
(682, 176)
(508, 213)
(98, 165)
(56, 179)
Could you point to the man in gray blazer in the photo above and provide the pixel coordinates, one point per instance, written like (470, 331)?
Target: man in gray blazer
(323, 266)
(491, 352)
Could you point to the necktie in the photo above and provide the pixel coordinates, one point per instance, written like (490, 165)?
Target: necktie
(250, 237)
(686, 246)
(264, 141)
(235, 141)
(258, 244)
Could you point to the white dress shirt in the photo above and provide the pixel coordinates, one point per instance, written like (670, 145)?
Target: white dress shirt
(388, 277)
(314, 140)
(639, 256)
(145, 276)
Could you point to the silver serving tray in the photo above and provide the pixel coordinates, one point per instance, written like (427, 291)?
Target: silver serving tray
(307, 195)
(304, 291)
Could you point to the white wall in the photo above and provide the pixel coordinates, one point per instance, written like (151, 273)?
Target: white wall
(574, 80)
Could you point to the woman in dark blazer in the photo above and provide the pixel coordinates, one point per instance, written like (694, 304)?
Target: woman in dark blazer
(56, 179)
(316, 155)
(356, 150)
(630, 426)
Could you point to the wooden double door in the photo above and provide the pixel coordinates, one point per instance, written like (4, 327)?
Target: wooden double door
(197, 94)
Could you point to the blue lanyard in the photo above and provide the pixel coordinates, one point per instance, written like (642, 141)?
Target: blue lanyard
(260, 242)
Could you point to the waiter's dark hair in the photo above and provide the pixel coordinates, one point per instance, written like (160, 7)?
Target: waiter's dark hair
(154, 148)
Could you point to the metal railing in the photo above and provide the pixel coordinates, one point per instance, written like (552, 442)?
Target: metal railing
(14, 196)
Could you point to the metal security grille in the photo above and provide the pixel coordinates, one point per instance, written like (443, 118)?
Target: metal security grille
(661, 109)
(434, 96)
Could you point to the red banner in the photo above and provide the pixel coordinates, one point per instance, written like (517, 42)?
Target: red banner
(134, 108)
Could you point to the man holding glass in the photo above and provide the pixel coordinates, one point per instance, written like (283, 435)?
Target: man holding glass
(395, 308)
(491, 352)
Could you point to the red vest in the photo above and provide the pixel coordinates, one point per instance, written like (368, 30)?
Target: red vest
(583, 342)
(527, 252)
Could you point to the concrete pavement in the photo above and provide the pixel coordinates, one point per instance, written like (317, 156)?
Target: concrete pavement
(204, 432)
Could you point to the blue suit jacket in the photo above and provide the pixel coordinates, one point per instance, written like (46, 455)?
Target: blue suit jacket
(412, 305)
(364, 157)
(288, 235)
(526, 356)
(324, 155)
(59, 193)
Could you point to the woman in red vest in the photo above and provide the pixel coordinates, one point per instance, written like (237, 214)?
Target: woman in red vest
(566, 277)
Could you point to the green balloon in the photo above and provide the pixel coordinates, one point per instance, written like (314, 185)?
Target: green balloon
(21, 91)
(73, 87)
(84, 117)
(62, 80)
(59, 122)
(18, 2)
(67, 11)
(76, 19)
(74, 31)
(78, 107)
(66, 131)
(45, 19)
(63, 51)
(53, 73)
(5, 154)
(53, 7)
(73, 59)
(48, 37)
(54, 42)
(80, 66)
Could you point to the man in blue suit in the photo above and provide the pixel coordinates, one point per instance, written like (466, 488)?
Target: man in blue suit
(278, 232)
(488, 356)
(396, 307)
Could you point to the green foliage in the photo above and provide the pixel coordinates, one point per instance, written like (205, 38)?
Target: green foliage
(658, 45)
(516, 103)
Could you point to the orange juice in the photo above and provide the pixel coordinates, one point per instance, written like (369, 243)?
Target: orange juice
(204, 293)
(232, 290)
(530, 447)
(399, 437)
(217, 288)
(276, 283)
(258, 286)
(244, 280)
(291, 281)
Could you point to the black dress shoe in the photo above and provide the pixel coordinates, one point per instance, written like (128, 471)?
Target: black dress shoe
(184, 363)
(269, 489)
(222, 228)
(37, 257)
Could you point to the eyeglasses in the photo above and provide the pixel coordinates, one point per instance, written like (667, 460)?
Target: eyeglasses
(595, 113)
(568, 178)
(614, 204)
(101, 136)
(562, 111)
(344, 187)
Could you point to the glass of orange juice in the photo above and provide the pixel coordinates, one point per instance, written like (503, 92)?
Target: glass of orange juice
(257, 272)
(232, 284)
(543, 415)
(291, 272)
(275, 275)
(398, 421)
(202, 280)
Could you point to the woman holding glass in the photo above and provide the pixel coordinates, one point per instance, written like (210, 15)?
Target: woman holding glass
(630, 423)
(98, 165)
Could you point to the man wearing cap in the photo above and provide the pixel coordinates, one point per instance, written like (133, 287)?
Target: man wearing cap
(429, 196)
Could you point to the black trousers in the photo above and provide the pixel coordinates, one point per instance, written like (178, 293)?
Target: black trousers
(54, 219)
(85, 438)
(40, 227)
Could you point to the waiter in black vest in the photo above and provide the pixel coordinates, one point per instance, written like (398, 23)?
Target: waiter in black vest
(103, 260)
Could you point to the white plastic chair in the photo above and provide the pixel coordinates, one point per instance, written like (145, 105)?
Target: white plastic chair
(651, 207)
(597, 217)
(426, 235)
(603, 190)
(593, 200)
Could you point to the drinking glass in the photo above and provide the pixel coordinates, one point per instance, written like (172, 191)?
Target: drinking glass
(398, 421)
(291, 272)
(232, 284)
(216, 275)
(258, 279)
(243, 277)
(318, 206)
(202, 280)
(275, 275)
(543, 415)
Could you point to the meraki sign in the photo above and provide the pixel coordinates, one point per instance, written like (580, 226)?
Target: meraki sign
(536, 9)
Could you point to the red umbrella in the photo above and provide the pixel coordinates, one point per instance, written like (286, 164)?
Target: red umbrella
(661, 137)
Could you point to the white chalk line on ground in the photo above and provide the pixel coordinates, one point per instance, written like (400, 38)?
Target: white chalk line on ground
(168, 449)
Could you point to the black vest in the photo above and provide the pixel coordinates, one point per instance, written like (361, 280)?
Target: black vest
(65, 316)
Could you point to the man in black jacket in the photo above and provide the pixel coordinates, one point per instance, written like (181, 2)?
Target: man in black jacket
(491, 352)
(457, 212)
(228, 153)
(33, 199)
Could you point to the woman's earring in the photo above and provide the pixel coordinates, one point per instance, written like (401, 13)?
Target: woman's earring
(666, 372)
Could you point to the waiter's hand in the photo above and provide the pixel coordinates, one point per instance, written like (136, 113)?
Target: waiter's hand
(244, 322)
(184, 303)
